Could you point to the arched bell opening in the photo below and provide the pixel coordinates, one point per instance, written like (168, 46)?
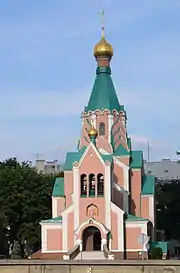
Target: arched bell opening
(92, 185)
(83, 185)
(100, 184)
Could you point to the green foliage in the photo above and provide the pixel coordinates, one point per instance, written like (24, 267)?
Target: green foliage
(156, 253)
(168, 208)
(60, 174)
(25, 198)
(16, 251)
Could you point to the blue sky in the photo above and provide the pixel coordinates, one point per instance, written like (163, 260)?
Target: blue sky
(47, 72)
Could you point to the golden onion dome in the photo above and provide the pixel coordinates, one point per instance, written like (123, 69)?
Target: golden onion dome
(103, 48)
(92, 132)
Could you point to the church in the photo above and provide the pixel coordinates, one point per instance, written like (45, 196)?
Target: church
(105, 204)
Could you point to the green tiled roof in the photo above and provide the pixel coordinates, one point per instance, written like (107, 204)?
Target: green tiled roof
(71, 158)
(136, 159)
(148, 184)
(53, 220)
(103, 95)
(121, 150)
(58, 189)
(130, 217)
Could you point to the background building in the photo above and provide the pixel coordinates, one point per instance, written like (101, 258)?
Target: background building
(47, 167)
(165, 170)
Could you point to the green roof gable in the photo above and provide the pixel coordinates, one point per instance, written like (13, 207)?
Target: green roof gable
(103, 95)
(148, 184)
(53, 220)
(76, 156)
(121, 150)
(136, 159)
(130, 217)
(58, 189)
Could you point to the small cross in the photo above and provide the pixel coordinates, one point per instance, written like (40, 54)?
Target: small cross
(101, 14)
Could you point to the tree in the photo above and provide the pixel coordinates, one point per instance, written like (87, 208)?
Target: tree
(168, 208)
(25, 198)
(60, 174)
(156, 253)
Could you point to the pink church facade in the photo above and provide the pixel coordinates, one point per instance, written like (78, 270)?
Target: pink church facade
(105, 202)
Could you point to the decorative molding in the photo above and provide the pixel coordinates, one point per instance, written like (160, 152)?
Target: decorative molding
(90, 222)
(65, 227)
(120, 224)
(76, 197)
(137, 223)
(125, 172)
(54, 207)
(76, 164)
(107, 194)
(94, 120)
(110, 124)
(104, 152)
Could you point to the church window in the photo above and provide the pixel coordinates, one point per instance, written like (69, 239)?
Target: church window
(100, 184)
(101, 128)
(83, 185)
(92, 184)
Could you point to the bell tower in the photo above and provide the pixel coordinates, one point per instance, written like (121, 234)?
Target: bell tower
(103, 109)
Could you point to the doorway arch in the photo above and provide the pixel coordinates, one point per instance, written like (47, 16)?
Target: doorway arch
(91, 239)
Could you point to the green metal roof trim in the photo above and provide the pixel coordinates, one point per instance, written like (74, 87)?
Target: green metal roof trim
(103, 95)
(82, 150)
(148, 184)
(130, 217)
(53, 220)
(136, 159)
(129, 142)
(58, 189)
(121, 150)
(107, 157)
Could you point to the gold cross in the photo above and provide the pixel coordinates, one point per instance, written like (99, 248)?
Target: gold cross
(101, 14)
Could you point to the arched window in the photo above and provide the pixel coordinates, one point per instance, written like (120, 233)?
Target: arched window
(101, 128)
(83, 185)
(100, 184)
(92, 182)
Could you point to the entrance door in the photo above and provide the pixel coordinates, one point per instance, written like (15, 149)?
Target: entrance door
(91, 239)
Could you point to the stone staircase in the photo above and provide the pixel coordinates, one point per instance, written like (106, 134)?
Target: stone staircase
(90, 255)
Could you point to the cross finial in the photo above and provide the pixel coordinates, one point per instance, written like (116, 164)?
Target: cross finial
(101, 14)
